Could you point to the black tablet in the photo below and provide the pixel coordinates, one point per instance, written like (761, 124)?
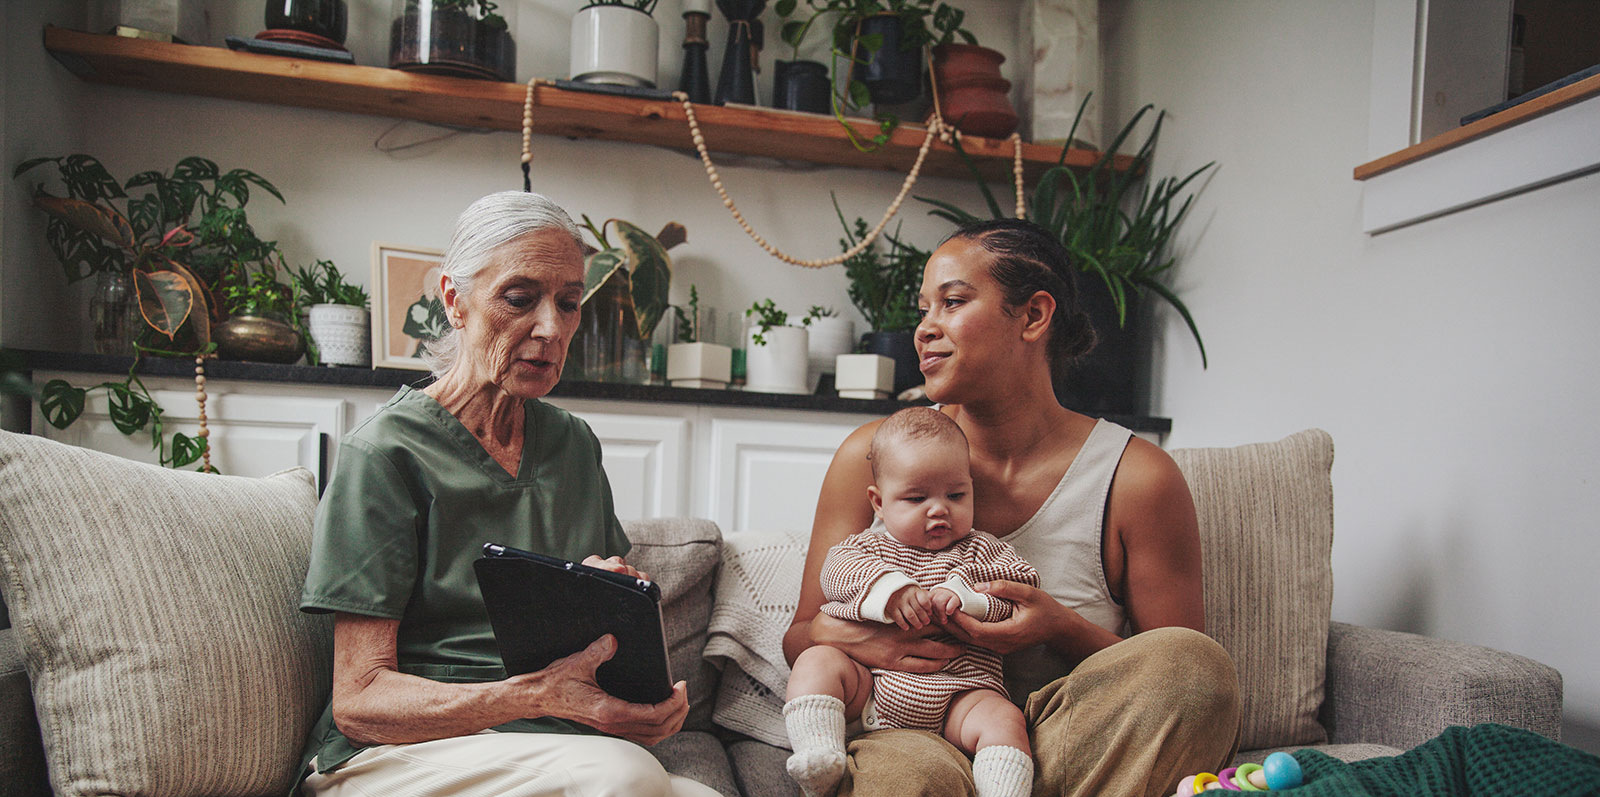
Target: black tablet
(543, 608)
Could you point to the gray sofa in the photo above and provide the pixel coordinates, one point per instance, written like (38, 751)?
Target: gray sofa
(169, 659)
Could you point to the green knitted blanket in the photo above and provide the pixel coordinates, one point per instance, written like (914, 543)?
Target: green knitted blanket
(1485, 760)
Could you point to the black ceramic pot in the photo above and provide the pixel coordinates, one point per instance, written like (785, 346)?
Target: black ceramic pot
(325, 18)
(800, 86)
(900, 347)
(892, 75)
(1113, 378)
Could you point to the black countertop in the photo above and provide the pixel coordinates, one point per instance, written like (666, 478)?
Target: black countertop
(825, 400)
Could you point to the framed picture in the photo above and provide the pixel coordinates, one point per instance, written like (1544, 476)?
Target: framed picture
(406, 308)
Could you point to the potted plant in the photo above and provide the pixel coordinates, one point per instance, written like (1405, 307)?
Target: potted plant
(459, 38)
(884, 286)
(776, 360)
(615, 41)
(337, 316)
(827, 336)
(693, 361)
(799, 84)
(882, 41)
(1117, 225)
(624, 297)
(262, 318)
(162, 240)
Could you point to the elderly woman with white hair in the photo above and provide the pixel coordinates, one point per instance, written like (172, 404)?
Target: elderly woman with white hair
(421, 703)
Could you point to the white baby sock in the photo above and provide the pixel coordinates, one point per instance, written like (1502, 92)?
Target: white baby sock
(816, 729)
(1002, 771)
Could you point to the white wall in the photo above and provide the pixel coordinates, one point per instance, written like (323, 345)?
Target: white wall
(1453, 361)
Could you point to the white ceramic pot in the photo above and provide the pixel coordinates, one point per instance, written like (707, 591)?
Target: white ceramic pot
(614, 44)
(864, 376)
(341, 333)
(779, 365)
(706, 365)
(830, 337)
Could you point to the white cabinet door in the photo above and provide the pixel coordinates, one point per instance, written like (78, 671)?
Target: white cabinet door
(646, 461)
(765, 475)
(251, 434)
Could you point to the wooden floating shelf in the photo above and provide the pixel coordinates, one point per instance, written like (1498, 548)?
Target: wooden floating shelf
(742, 130)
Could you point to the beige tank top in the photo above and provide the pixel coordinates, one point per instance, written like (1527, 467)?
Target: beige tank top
(1062, 540)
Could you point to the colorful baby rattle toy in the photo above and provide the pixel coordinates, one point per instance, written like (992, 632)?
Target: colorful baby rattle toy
(1280, 772)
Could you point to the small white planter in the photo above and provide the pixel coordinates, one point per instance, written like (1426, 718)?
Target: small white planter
(341, 333)
(614, 44)
(779, 365)
(704, 365)
(864, 376)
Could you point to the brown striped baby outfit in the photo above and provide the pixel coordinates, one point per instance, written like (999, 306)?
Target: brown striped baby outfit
(920, 700)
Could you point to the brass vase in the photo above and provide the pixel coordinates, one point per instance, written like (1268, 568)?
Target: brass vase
(257, 338)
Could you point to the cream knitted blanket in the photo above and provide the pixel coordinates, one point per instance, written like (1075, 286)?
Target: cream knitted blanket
(758, 587)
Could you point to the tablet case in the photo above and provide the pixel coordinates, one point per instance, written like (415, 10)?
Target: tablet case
(543, 608)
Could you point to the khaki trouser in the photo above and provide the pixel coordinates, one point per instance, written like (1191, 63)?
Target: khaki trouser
(1129, 720)
(492, 764)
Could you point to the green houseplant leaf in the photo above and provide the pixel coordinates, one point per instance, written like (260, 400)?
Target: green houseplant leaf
(61, 403)
(649, 272)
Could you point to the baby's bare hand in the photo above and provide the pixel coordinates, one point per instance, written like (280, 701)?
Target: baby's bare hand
(945, 603)
(910, 607)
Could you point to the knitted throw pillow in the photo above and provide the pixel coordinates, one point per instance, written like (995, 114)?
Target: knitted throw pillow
(1266, 535)
(157, 614)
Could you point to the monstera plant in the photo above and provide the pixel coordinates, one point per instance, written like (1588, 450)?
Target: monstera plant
(624, 297)
(177, 235)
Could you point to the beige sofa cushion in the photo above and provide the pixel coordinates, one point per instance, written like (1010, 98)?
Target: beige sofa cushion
(681, 555)
(1266, 535)
(157, 615)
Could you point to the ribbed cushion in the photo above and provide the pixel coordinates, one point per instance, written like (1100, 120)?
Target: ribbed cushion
(682, 555)
(1266, 536)
(157, 615)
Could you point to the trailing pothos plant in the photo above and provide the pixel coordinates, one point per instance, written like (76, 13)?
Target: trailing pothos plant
(177, 234)
(922, 23)
(1115, 223)
(641, 259)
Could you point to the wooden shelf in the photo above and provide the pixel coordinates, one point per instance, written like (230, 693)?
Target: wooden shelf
(1510, 117)
(742, 130)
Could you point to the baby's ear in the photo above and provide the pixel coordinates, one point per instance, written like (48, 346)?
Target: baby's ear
(876, 498)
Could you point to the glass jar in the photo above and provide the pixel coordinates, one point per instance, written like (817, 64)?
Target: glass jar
(325, 18)
(451, 38)
(113, 312)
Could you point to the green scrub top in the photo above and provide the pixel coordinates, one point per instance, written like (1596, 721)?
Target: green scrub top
(413, 498)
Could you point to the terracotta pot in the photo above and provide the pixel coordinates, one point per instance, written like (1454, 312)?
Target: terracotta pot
(972, 95)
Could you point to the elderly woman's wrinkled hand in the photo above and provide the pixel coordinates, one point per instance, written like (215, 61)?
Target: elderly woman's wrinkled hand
(567, 689)
(615, 565)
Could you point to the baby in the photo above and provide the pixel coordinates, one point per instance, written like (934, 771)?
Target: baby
(921, 571)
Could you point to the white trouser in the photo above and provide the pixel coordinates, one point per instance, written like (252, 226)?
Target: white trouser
(505, 765)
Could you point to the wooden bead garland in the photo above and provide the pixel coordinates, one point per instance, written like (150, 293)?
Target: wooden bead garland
(937, 127)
